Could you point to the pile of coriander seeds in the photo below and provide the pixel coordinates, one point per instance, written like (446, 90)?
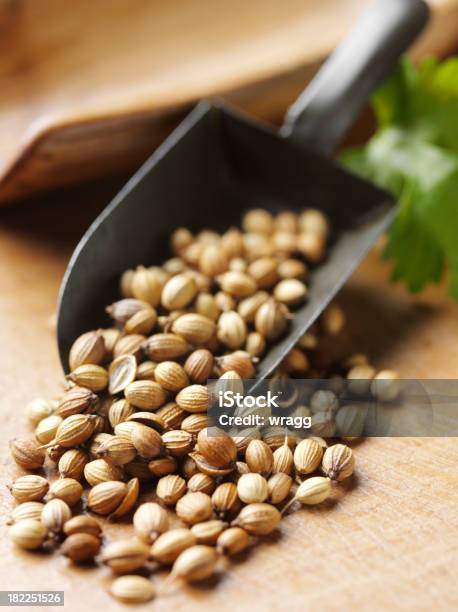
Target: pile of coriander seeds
(132, 424)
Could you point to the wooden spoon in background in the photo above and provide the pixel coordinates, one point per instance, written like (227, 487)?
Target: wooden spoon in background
(91, 91)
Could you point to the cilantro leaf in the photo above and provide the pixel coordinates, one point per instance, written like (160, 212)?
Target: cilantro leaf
(414, 154)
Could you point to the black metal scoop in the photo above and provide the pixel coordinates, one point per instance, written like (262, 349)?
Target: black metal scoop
(218, 163)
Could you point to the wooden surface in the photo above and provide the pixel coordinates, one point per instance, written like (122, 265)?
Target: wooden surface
(90, 88)
(389, 537)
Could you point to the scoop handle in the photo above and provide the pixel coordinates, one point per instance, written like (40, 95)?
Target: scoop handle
(331, 103)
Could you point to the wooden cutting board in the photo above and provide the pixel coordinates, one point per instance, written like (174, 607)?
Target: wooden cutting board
(91, 89)
(388, 539)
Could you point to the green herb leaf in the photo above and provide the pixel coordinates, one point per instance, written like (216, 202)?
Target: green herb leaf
(414, 154)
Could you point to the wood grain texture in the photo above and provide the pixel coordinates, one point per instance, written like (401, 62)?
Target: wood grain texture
(388, 539)
(91, 89)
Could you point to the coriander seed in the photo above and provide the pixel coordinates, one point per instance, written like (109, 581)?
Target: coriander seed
(259, 457)
(26, 510)
(29, 488)
(68, 490)
(37, 410)
(232, 541)
(307, 456)
(28, 534)
(170, 489)
(83, 524)
(168, 546)
(216, 447)
(258, 519)
(194, 507)
(123, 556)
(338, 462)
(195, 563)
(278, 486)
(150, 520)
(252, 488)
(311, 491)
(208, 531)
(81, 547)
(27, 454)
(105, 497)
(132, 589)
(54, 516)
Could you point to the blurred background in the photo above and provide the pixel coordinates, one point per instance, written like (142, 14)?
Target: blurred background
(89, 88)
